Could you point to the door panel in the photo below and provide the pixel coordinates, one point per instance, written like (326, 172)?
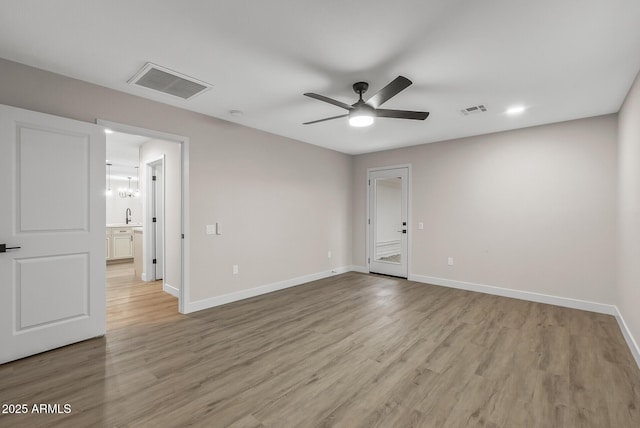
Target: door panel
(33, 296)
(52, 177)
(388, 198)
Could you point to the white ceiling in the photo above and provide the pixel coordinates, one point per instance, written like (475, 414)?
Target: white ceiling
(562, 59)
(123, 151)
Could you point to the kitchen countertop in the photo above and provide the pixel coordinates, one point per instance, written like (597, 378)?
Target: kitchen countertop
(124, 225)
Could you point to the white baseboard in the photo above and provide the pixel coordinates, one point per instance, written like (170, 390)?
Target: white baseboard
(143, 277)
(518, 294)
(257, 291)
(633, 345)
(171, 290)
(356, 268)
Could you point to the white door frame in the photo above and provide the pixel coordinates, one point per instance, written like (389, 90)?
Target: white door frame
(149, 239)
(410, 229)
(183, 295)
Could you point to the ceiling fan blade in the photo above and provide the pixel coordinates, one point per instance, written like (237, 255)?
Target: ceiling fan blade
(329, 100)
(325, 119)
(399, 84)
(402, 114)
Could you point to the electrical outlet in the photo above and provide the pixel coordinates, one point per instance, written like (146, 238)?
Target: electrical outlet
(328, 254)
(420, 226)
(235, 269)
(450, 261)
(211, 229)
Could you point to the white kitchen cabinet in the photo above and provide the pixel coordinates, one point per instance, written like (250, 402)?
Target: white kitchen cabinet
(137, 252)
(119, 243)
(108, 252)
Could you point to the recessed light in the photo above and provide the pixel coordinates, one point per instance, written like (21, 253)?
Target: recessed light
(512, 111)
(108, 131)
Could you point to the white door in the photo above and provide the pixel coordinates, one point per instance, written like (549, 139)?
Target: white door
(388, 211)
(157, 219)
(159, 210)
(52, 178)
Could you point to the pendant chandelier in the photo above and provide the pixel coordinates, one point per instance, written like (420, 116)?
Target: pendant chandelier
(109, 192)
(128, 192)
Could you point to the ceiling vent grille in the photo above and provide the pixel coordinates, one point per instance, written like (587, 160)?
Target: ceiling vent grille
(161, 79)
(480, 108)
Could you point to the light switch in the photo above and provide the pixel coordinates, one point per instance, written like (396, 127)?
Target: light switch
(211, 229)
(420, 225)
(218, 228)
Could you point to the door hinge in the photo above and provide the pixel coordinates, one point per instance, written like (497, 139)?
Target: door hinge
(153, 178)
(153, 220)
(369, 182)
(154, 261)
(369, 221)
(368, 260)
(183, 236)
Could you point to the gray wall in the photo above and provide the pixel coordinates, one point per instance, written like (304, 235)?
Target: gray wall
(532, 209)
(629, 210)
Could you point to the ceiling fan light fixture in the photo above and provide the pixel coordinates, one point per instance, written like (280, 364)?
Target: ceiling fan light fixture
(361, 116)
(363, 113)
(360, 121)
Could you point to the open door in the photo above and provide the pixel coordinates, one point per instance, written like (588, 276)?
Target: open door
(52, 280)
(388, 211)
(157, 229)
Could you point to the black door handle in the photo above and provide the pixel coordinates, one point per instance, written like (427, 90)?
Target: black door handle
(4, 248)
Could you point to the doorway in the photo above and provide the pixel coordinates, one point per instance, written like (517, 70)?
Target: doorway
(388, 211)
(165, 240)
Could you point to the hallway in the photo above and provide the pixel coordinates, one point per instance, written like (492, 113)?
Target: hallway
(131, 301)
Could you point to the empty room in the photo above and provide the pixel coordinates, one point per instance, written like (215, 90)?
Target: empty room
(319, 214)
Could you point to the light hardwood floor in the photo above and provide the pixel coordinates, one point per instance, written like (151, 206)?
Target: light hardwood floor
(352, 350)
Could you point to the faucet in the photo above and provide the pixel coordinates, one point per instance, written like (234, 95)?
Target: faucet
(128, 215)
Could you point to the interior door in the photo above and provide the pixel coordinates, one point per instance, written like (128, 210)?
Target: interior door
(158, 186)
(52, 178)
(388, 211)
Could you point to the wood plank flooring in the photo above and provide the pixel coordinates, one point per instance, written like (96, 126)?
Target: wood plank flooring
(353, 350)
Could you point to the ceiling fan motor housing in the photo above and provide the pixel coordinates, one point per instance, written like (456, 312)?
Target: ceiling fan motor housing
(360, 87)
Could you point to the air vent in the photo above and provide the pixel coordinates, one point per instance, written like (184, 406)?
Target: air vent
(161, 79)
(480, 108)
